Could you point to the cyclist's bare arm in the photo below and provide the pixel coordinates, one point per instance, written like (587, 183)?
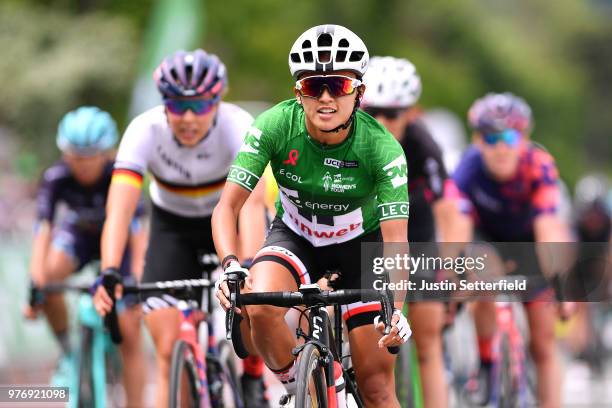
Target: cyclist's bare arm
(252, 222)
(225, 219)
(451, 225)
(40, 250)
(551, 228)
(120, 207)
(394, 231)
(138, 247)
(553, 258)
(224, 227)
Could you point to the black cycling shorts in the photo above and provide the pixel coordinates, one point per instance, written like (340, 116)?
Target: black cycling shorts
(308, 264)
(175, 243)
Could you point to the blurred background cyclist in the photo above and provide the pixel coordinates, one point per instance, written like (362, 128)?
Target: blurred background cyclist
(71, 210)
(393, 90)
(509, 191)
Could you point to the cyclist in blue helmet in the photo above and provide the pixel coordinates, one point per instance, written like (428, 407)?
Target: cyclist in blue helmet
(66, 241)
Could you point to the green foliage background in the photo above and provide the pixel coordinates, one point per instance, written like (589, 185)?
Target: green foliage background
(58, 54)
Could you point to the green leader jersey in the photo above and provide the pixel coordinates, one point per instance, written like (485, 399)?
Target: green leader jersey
(328, 193)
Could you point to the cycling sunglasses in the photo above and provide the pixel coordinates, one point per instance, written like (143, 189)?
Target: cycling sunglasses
(387, 113)
(509, 136)
(337, 85)
(197, 106)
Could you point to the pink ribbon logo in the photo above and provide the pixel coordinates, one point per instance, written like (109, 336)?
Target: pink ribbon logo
(293, 156)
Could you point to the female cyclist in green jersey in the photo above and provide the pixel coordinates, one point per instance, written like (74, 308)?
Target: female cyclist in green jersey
(343, 181)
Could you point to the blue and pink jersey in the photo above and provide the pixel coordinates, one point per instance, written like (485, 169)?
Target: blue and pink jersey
(505, 210)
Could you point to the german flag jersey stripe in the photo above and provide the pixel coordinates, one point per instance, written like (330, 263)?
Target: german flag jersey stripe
(193, 191)
(126, 176)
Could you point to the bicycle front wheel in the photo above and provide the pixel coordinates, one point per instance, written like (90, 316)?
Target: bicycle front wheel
(223, 382)
(311, 383)
(507, 383)
(184, 380)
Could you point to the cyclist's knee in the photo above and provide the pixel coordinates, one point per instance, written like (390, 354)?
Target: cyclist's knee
(263, 316)
(163, 324)
(59, 266)
(542, 338)
(377, 389)
(542, 347)
(427, 321)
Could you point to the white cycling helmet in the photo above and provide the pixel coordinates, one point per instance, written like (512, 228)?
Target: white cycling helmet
(328, 47)
(391, 83)
(590, 189)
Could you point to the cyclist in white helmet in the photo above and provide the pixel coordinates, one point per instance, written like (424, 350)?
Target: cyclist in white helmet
(342, 180)
(394, 88)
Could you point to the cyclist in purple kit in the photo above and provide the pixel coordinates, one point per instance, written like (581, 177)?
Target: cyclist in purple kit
(509, 190)
(80, 182)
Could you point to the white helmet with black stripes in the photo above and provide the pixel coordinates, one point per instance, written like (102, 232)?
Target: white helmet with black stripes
(328, 47)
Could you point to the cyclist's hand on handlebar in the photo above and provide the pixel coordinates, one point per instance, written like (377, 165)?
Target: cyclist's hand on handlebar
(101, 299)
(30, 312)
(400, 330)
(222, 289)
(37, 298)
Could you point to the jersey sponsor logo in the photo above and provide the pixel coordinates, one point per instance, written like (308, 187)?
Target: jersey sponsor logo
(326, 206)
(337, 183)
(307, 229)
(338, 164)
(293, 157)
(251, 142)
(291, 176)
(293, 195)
(397, 169)
(243, 177)
(173, 163)
(343, 227)
(393, 210)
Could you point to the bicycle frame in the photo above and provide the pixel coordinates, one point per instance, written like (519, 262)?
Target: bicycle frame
(319, 335)
(100, 345)
(190, 317)
(506, 325)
